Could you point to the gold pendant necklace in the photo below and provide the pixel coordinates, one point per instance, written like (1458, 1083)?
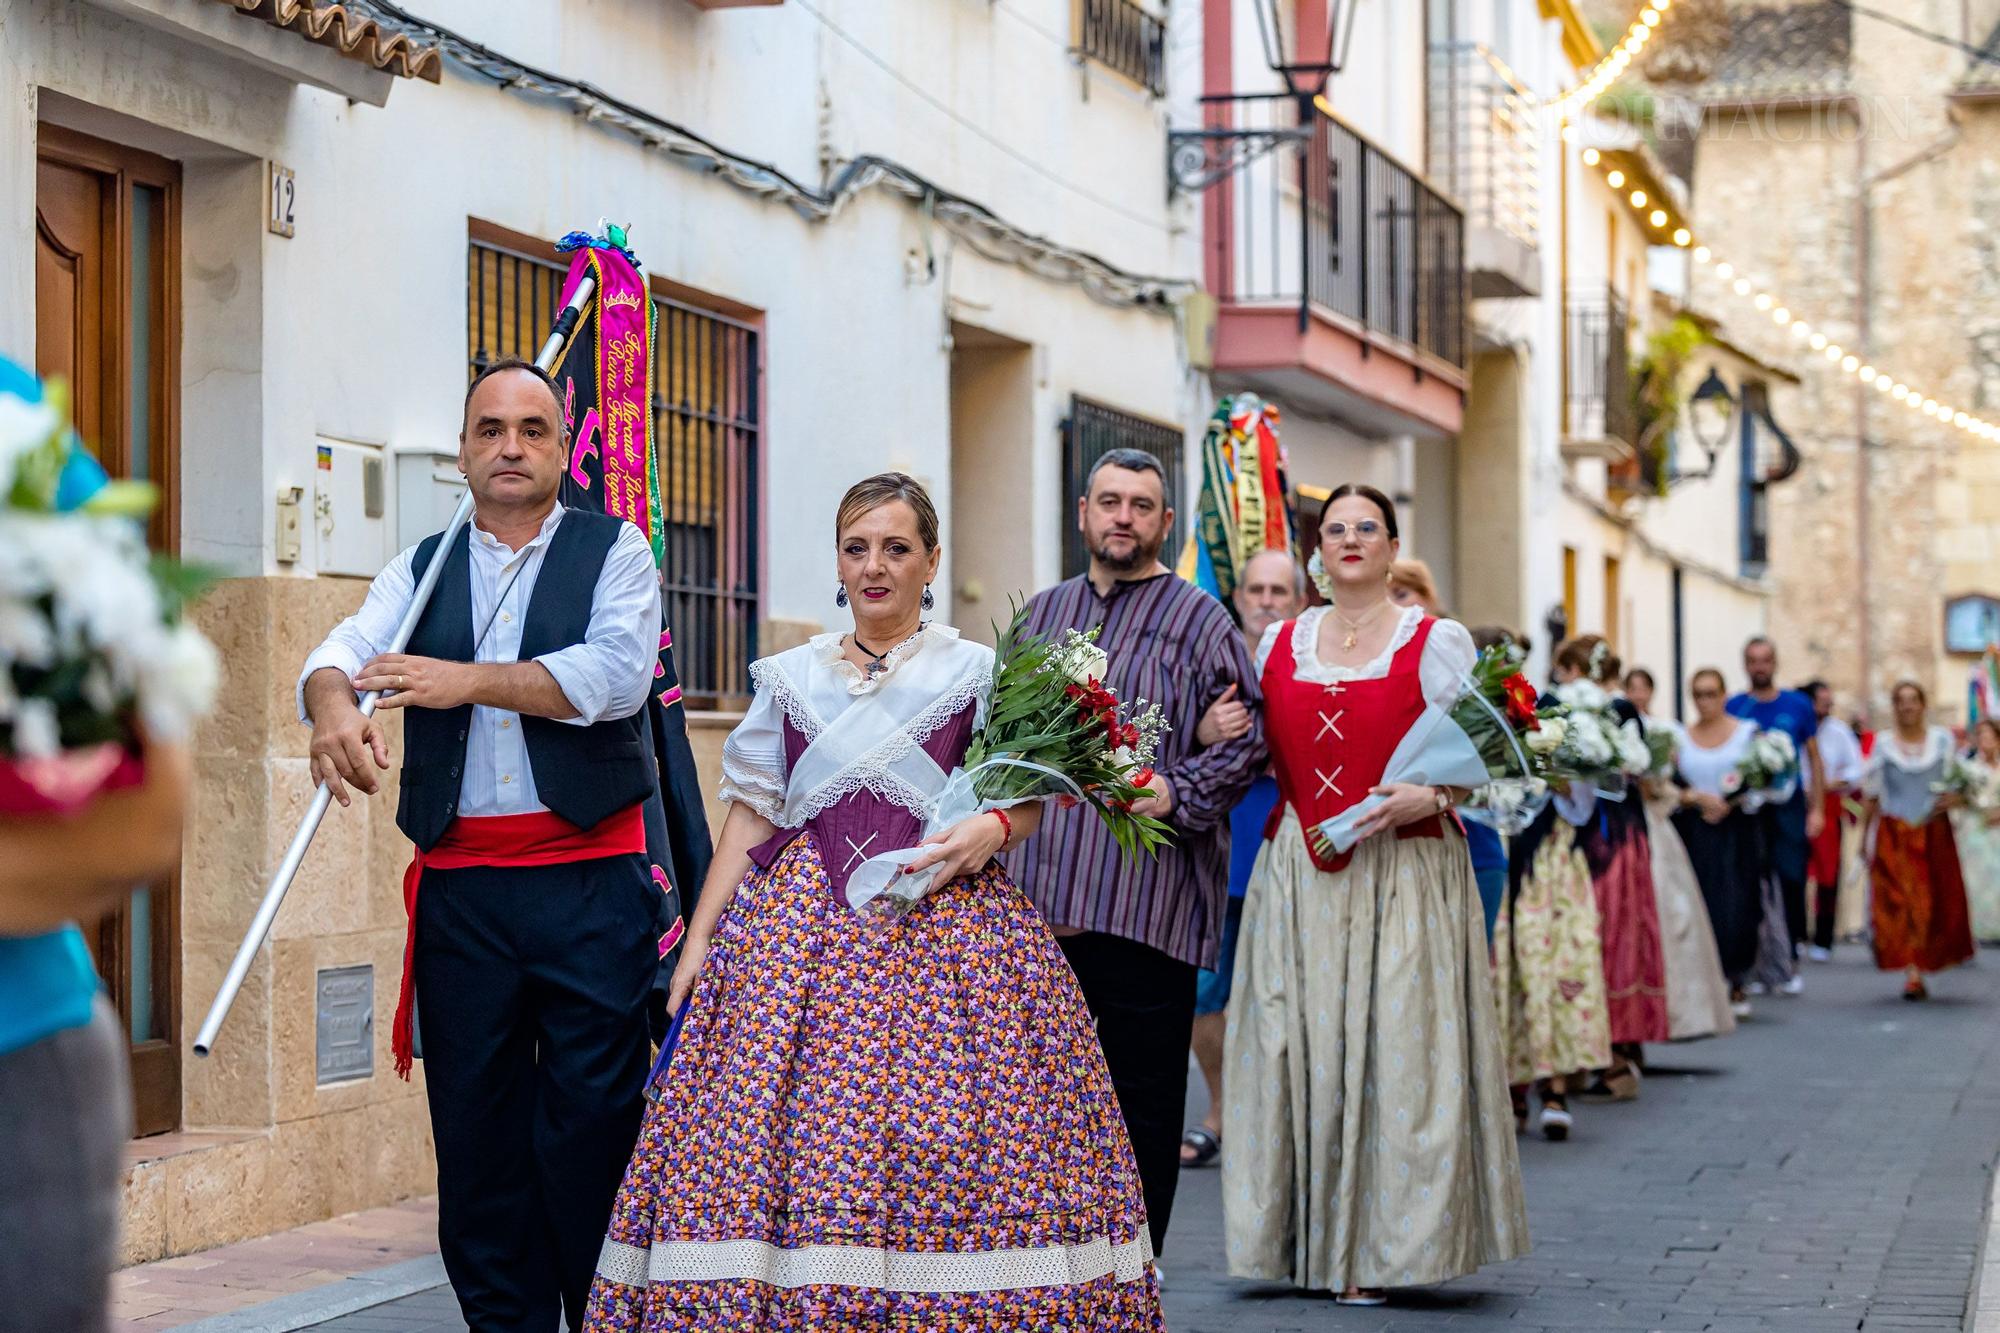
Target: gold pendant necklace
(1354, 626)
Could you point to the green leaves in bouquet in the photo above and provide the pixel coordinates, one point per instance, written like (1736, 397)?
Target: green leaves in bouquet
(1032, 717)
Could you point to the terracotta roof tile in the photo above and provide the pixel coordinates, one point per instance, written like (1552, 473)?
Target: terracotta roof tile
(350, 32)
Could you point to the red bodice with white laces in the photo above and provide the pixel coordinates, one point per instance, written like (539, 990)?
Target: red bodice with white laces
(1331, 743)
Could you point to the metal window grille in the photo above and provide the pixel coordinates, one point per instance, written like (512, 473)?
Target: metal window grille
(1094, 430)
(707, 427)
(1123, 37)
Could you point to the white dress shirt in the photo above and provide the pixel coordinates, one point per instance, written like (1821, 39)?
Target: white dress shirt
(606, 676)
(1839, 754)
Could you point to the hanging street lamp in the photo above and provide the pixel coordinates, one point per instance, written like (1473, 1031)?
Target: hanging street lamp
(1197, 159)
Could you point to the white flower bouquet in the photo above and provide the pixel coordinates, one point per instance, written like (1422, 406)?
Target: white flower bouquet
(94, 654)
(1768, 772)
(1975, 785)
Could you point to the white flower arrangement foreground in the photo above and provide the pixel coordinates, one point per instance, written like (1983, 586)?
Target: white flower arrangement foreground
(94, 654)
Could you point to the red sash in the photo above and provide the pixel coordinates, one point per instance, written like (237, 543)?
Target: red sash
(1330, 743)
(541, 839)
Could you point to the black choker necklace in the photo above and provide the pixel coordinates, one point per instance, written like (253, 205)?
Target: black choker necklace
(879, 662)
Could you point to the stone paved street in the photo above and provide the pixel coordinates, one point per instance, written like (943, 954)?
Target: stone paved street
(1826, 1169)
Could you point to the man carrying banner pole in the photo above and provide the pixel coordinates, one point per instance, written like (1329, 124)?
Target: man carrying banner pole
(532, 942)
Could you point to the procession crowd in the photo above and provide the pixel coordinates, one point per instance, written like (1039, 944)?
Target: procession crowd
(969, 1114)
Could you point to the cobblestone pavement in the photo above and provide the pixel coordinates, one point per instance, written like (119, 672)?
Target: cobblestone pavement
(1827, 1168)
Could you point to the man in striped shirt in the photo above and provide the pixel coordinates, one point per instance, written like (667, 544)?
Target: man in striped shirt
(1136, 932)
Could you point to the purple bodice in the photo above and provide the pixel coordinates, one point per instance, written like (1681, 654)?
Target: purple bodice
(862, 824)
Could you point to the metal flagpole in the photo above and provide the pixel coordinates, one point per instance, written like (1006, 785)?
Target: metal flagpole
(288, 869)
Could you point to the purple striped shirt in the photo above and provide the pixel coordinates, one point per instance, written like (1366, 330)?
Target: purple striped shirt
(1174, 645)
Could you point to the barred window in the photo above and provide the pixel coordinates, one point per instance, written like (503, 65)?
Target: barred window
(707, 423)
(1122, 36)
(1094, 430)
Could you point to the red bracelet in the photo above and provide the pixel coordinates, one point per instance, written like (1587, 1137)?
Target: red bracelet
(1006, 824)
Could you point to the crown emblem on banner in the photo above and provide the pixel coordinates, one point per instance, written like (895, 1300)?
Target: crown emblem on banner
(624, 300)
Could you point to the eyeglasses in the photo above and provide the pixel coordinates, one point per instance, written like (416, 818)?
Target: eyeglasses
(1706, 694)
(1367, 530)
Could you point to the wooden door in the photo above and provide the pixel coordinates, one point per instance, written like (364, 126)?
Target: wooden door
(107, 321)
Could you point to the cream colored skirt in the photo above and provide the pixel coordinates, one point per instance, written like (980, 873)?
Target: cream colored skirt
(1367, 1136)
(1697, 994)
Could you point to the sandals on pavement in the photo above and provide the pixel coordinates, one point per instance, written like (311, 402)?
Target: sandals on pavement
(1362, 1296)
(1204, 1144)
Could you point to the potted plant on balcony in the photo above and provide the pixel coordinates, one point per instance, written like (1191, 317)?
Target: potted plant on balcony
(1659, 394)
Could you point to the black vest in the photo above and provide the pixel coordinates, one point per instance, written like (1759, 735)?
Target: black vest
(583, 774)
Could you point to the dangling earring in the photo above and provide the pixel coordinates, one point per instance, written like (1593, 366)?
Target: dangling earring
(840, 594)
(929, 601)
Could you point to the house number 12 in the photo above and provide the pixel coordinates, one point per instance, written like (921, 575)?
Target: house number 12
(284, 196)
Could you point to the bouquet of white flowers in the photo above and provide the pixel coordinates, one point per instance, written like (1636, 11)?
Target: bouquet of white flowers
(93, 650)
(1767, 774)
(1592, 745)
(1975, 785)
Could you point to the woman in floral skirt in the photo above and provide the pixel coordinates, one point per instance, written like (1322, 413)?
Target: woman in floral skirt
(1620, 854)
(862, 1127)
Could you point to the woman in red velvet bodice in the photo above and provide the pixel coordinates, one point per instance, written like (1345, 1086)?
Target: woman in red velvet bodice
(1369, 1144)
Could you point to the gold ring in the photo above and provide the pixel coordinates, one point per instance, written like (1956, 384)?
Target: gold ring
(399, 682)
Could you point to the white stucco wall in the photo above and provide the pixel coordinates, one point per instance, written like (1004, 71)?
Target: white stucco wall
(356, 327)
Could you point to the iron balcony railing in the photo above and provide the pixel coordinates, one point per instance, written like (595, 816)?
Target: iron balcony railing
(1601, 403)
(1485, 148)
(1123, 37)
(1332, 223)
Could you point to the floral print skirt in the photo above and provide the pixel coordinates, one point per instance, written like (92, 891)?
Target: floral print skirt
(900, 1129)
(1548, 968)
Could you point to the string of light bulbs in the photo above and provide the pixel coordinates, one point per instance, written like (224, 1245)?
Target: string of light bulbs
(1781, 314)
(1608, 70)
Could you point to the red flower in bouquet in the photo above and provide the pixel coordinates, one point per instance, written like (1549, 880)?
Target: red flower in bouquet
(1522, 699)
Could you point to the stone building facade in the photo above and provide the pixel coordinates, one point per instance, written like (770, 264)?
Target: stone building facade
(1852, 168)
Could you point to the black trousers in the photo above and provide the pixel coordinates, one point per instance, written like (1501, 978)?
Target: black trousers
(531, 991)
(1143, 1002)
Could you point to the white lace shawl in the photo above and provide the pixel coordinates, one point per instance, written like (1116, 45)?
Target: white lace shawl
(1448, 654)
(813, 686)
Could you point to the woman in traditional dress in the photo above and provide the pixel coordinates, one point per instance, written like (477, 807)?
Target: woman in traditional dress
(1697, 992)
(1721, 839)
(1620, 856)
(1368, 1142)
(1921, 922)
(1548, 967)
(1978, 834)
(863, 1126)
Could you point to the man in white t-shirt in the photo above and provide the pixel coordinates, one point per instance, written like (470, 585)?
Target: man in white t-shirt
(1840, 756)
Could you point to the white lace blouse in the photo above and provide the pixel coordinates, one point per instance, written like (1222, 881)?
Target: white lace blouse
(1448, 654)
(814, 684)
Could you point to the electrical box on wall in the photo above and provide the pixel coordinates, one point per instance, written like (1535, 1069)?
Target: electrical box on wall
(350, 507)
(428, 487)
